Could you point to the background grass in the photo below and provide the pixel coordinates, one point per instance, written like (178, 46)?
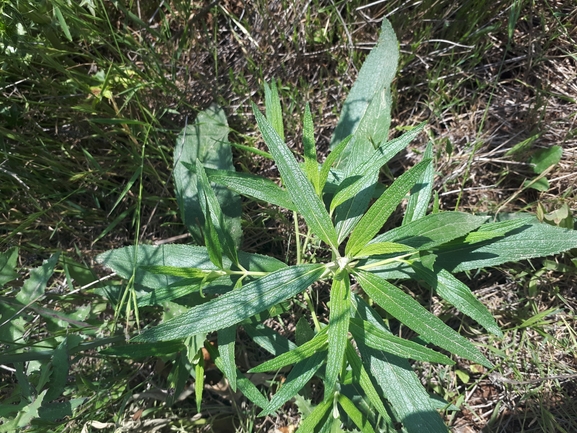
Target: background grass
(93, 96)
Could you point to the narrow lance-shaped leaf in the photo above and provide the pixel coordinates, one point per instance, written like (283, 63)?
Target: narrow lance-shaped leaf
(329, 161)
(377, 215)
(299, 188)
(378, 339)
(226, 343)
(408, 311)
(237, 305)
(317, 344)
(340, 308)
(355, 414)
(310, 152)
(273, 108)
(459, 295)
(419, 199)
(296, 379)
(214, 210)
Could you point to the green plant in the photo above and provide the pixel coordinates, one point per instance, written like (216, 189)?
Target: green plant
(368, 380)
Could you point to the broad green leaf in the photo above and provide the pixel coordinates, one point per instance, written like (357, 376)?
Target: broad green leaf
(303, 331)
(252, 186)
(226, 338)
(60, 364)
(311, 165)
(55, 412)
(494, 230)
(545, 158)
(432, 230)
(237, 305)
(211, 208)
(26, 415)
(273, 108)
(298, 186)
(207, 140)
(409, 312)
(397, 382)
(378, 214)
(299, 376)
(182, 272)
(421, 193)
(340, 310)
(533, 240)
(8, 262)
(356, 190)
(316, 416)
(356, 415)
(362, 378)
(374, 78)
(378, 339)
(317, 344)
(35, 285)
(131, 260)
(459, 295)
(381, 248)
(208, 286)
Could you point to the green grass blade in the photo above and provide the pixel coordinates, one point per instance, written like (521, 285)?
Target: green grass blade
(317, 344)
(355, 414)
(405, 309)
(340, 310)
(311, 165)
(298, 186)
(296, 379)
(459, 295)
(422, 191)
(378, 339)
(226, 338)
(273, 108)
(237, 305)
(370, 224)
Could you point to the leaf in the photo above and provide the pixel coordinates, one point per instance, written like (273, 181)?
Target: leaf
(356, 191)
(421, 193)
(299, 376)
(494, 230)
(226, 343)
(299, 188)
(211, 208)
(408, 311)
(252, 186)
(35, 285)
(132, 260)
(378, 339)
(269, 339)
(317, 344)
(356, 415)
(330, 160)
(397, 382)
(362, 378)
(339, 315)
(545, 158)
(273, 108)
(381, 248)
(62, 22)
(237, 305)
(206, 140)
(432, 230)
(8, 262)
(374, 78)
(144, 350)
(459, 295)
(309, 423)
(311, 165)
(378, 214)
(533, 240)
